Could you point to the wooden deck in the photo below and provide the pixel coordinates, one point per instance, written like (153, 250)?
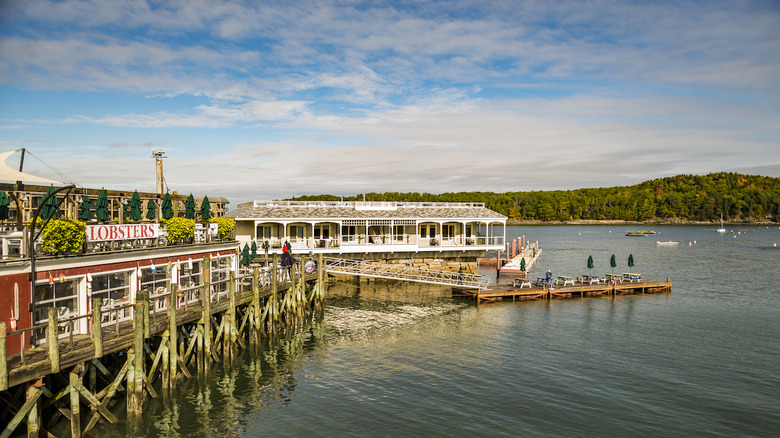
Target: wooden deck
(504, 291)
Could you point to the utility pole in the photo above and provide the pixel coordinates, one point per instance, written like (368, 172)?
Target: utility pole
(158, 157)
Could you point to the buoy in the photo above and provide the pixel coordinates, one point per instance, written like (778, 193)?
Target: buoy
(775, 245)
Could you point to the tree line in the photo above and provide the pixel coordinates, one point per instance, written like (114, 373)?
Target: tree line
(736, 196)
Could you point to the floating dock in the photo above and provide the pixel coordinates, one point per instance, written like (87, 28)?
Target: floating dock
(524, 291)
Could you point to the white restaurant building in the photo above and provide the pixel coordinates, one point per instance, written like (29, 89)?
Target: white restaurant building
(372, 230)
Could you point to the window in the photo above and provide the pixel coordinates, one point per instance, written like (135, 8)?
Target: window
(447, 231)
(114, 290)
(427, 231)
(348, 233)
(322, 231)
(468, 230)
(297, 233)
(155, 280)
(62, 295)
(263, 232)
(220, 275)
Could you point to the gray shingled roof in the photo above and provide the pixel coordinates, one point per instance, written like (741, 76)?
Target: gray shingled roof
(338, 213)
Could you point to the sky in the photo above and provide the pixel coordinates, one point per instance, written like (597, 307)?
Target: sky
(271, 99)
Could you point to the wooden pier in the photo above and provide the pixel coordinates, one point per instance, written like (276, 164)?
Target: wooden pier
(524, 291)
(168, 338)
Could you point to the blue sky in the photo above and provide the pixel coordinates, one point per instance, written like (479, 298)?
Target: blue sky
(260, 100)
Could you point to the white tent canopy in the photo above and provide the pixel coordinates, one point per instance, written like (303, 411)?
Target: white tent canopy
(8, 174)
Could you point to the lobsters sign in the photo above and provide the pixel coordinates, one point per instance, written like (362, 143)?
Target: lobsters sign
(104, 233)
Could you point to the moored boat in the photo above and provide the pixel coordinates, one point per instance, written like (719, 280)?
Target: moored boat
(667, 243)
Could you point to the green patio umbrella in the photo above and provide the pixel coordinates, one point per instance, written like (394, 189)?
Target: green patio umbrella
(167, 207)
(590, 264)
(244, 260)
(253, 254)
(189, 208)
(151, 210)
(630, 260)
(612, 263)
(85, 209)
(4, 203)
(522, 264)
(205, 209)
(101, 207)
(49, 208)
(134, 207)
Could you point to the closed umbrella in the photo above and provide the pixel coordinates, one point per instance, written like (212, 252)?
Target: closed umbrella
(189, 208)
(101, 207)
(85, 209)
(522, 264)
(244, 260)
(253, 249)
(167, 207)
(50, 206)
(590, 264)
(4, 203)
(151, 210)
(205, 209)
(134, 207)
(612, 263)
(630, 260)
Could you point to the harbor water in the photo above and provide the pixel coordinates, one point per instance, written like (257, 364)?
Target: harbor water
(394, 359)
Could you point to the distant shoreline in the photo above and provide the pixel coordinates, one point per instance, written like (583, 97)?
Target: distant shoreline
(642, 223)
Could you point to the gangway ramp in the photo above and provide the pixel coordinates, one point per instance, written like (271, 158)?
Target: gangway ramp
(364, 268)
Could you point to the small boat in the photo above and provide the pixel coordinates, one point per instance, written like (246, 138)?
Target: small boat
(721, 229)
(636, 234)
(666, 243)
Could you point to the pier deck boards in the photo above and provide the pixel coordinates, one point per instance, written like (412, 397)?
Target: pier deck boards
(502, 291)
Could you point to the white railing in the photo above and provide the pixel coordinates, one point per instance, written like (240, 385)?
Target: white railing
(405, 273)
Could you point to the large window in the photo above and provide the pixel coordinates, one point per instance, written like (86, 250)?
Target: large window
(155, 280)
(348, 233)
(220, 274)
(427, 231)
(62, 295)
(114, 290)
(297, 233)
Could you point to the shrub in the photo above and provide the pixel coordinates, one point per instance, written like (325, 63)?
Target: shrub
(226, 226)
(179, 229)
(66, 235)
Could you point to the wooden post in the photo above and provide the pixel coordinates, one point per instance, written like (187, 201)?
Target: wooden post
(206, 299)
(172, 333)
(145, 296)
(75, 406)
(52, 341)
(256, 296)
(97, 327)
(3, 359)
(34, 416)
(274, 290)
(232, 309)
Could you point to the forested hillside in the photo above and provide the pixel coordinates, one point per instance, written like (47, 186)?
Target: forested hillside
(683, 197)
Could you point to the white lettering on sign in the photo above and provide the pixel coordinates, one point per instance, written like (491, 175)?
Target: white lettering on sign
(103, 233)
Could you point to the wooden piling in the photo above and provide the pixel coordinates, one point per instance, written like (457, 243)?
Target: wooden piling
(34, 411)
(52, 340)
(232, 303)
(256, 297)
(75, 406)
(172, 333)
(206, 299)
(97, 327)
(3, 359)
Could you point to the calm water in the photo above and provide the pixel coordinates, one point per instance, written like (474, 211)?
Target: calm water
(408, 360)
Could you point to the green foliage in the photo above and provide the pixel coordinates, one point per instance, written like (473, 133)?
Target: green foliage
(226, 226)
(179, 229)
(685, 197)
(66, 235)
